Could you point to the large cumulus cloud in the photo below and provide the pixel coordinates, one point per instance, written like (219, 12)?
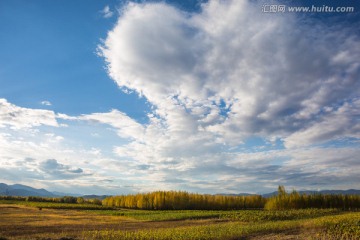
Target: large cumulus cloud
(274, 74)
(228, 73)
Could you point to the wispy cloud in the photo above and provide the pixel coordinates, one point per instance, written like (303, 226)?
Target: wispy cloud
(46, 103)
(337, 124)
(57, 170)
(126, 127)
(18, 117)
(106, 12)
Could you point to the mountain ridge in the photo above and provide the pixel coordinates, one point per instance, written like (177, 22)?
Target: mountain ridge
(23, 191)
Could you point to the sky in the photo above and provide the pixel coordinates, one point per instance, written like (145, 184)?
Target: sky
(217, 96)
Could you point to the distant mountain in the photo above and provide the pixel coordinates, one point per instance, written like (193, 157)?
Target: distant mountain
(100, 197)
(267, 195)
(344, 192)
(23, 191)
(236, 194)
(3, 187)
(61, 194)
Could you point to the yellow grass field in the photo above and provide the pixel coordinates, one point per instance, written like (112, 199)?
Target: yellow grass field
(24, 222)
(21, 222)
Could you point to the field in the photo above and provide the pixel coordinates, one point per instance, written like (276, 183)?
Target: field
(32, 220)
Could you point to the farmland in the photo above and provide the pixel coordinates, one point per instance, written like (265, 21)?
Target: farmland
(37, 220)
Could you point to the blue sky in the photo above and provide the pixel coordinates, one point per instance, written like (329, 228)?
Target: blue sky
(54, 44)
(113, 97)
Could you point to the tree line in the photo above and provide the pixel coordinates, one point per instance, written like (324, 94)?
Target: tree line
(295, 200)
(65, 199)
(181, 200)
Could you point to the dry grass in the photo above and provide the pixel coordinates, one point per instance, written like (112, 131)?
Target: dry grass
(21, 222)
(24, 222)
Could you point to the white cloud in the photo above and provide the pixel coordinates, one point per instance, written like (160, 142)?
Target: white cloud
(18, 117)
(155, 158)
(273, 82)
(227, 73)
(46, 103)
(126, 127)
(343, 122)
(39, 157)
(106, 12)
(214, 79)
(54, 169)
